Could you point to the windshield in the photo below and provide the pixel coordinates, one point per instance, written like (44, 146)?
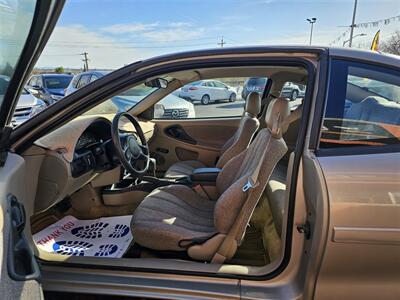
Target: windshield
(257, 81)
(123, 101)
(57, 82)
(15, 22)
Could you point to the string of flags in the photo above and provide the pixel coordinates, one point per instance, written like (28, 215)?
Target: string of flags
(372, 24)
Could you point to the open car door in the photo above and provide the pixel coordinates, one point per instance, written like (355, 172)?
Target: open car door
(25, 26)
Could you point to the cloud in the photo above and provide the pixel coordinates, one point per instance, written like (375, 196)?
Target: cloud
(68, 42)
(129, 28)
(156, 32)
(173, 34)
(179, 24)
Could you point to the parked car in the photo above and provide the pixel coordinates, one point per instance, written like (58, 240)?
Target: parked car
(170, 106)
(307, 208)
(293, 91)
(27, 105)
(254, 84)
(48, 87)
(207, 91)
(82, 79)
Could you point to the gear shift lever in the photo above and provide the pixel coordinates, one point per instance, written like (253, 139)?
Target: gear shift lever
(153, 163)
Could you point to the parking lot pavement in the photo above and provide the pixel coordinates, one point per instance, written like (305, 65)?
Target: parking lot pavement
(219, 109)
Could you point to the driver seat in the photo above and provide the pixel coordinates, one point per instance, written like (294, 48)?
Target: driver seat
(235, 145)
(177, 218)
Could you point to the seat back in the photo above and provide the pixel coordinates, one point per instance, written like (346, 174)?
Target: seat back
(236, 203)
(247, 128)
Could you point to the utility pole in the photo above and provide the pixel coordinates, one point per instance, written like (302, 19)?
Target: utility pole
(85, 61)
(222, 42)
(311, 21)
(353, 23)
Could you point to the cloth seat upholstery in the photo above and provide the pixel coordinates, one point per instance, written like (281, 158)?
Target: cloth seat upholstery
(235, 145)
(175, 213)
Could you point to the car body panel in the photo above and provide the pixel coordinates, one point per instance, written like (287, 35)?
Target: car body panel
(291, 279)
(364, 227)
(20, 274)
(27, 106)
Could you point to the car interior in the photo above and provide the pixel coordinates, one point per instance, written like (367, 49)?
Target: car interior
(197, 193)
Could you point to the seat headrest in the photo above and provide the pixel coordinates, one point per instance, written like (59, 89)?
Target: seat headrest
(253, 104)
(277, 116)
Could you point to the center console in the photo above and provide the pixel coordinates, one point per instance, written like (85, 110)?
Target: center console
(121, 192)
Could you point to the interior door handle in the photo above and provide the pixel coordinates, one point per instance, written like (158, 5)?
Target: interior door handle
(21, 263)
(177, 132)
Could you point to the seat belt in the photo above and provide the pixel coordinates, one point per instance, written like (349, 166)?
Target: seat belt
(252, 182)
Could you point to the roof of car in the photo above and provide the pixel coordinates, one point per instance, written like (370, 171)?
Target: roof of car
(372, 56)
(97, 72)
(55, 75)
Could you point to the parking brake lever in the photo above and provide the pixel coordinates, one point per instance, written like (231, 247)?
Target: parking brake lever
(153, 163)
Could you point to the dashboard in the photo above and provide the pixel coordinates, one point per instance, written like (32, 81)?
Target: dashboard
(74, 155)
(93, 150)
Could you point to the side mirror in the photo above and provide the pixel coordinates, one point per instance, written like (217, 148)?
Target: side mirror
(160, 83)
(36, 87)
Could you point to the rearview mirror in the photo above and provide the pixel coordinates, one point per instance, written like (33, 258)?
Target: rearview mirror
(157, 83)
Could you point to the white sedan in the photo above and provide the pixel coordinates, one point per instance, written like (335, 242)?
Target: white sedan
(207, 91)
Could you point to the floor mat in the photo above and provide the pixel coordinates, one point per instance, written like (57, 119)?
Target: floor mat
(103, 237)
(251, 252)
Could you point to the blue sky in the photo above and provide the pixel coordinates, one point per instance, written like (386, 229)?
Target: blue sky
(116, 32)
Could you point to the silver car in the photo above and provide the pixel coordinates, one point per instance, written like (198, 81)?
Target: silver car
(207, 91)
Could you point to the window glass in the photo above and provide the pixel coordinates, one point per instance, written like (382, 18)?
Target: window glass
(85, 79)
(217, 98)
(122, 102)
(57, 82)
(15, 22)
(39, 81)
(294, 92)
(363, 107)
(75, 81)
(218, 84)
(33, 81)
(93, 78)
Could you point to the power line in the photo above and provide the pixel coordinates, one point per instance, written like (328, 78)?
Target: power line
(375, 23)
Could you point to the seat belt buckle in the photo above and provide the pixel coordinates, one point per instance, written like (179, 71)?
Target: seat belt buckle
(249, 185)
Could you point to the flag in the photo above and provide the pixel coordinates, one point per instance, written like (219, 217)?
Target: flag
(375, 42)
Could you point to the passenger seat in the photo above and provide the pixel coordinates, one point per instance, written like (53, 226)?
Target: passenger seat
(235, 145)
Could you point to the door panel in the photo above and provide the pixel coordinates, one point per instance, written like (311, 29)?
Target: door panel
(199, 139)
(19, 273)
(362, 257)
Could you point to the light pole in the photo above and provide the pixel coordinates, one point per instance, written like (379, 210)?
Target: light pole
(361, 34)
(311, 21)
(353, 23)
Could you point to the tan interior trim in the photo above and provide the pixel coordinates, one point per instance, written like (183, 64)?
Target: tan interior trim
(124, 198)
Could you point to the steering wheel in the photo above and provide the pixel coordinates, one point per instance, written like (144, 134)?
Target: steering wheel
(130, 152)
